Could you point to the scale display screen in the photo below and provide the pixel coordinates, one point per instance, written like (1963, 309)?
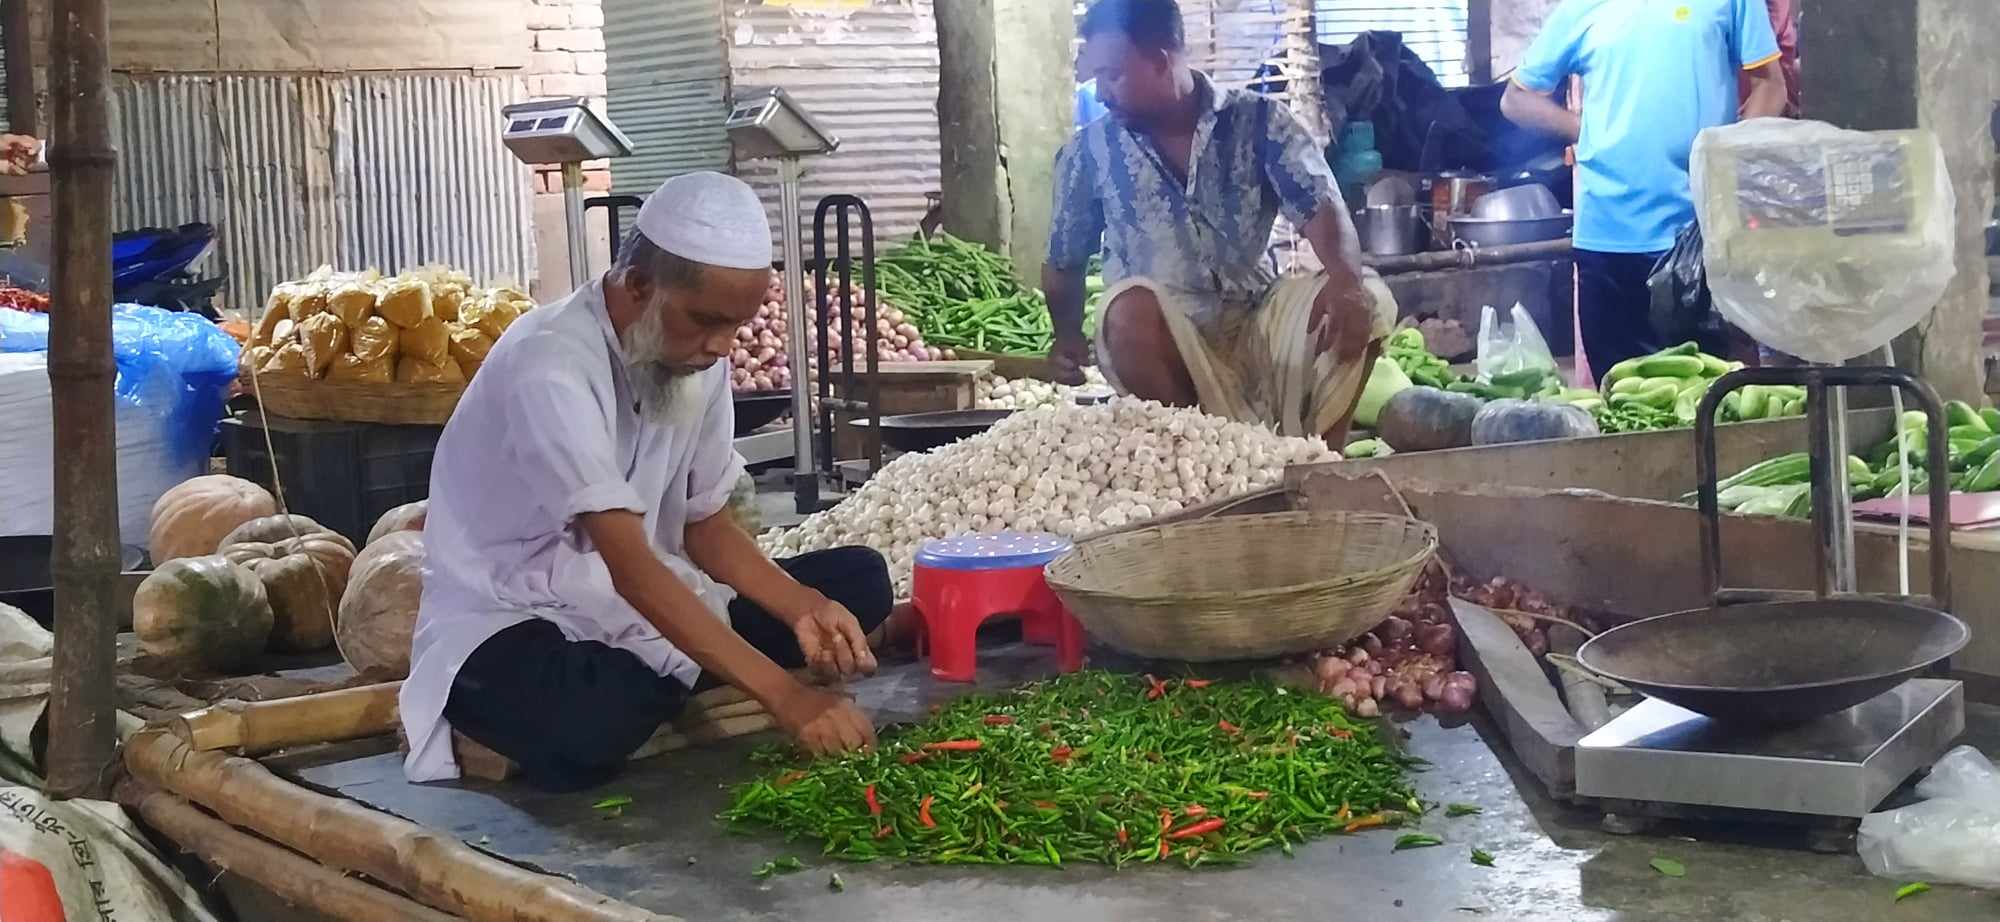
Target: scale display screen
(1849, 189)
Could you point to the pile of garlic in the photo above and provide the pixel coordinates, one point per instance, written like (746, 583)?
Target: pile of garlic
(1070, 470)
(993, 392)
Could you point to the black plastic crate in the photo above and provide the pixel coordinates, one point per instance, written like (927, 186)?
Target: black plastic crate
(343, 475)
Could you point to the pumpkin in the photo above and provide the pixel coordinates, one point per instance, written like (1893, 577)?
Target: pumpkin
(202, 611)
(191, 519)
(272, 529)
(304, 578)
(379, 612)
(406, 517)
(1427, 419)
(1504, 421)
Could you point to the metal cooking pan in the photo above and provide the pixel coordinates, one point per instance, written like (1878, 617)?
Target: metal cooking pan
(925, 431)
(1776, 662)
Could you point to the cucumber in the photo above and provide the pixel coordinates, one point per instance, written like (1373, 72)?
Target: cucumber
(1959, 414)
(1782, 470)
(1794, 407)
(1660, 392)
(1670, 366)
(1858, 471)
(1627, 385)
(1687, 406)
(1619, 372)
(1714, 367)
(1732, 407)
(1800, 507)
(1776, 500)
(1991, 417)
(1986, 478)
(1756, 402)
(1694, 384)
(1985, 449)
(1365, 448)
(1689, 348)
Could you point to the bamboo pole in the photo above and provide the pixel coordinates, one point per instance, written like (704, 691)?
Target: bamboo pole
(431, 868)
(254, 727)
(85, 560)
(290, 876)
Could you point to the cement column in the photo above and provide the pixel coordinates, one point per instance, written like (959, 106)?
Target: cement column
(1871, 64)
(1006, 98)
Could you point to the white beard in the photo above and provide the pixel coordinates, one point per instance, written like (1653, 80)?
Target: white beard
(666, 394)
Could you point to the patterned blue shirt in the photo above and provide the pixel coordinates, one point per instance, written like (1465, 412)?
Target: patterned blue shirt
(1252, 159)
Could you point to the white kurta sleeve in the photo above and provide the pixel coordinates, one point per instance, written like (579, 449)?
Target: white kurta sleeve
(716, 466)
(561, 436)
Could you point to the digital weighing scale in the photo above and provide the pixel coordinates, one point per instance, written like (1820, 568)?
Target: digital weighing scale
(1736, 731)
(564, 131)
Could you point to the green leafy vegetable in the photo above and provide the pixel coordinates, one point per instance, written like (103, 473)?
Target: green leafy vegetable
(1482, 857)
(1669, 867)
(1456, 810)
(1909, 890)
(1416, 840)
(1092, 767)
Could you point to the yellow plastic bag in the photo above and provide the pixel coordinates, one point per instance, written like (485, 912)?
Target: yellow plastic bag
(308, 301)
(350, 367)
(469, 344)
(405, 302)
(494, 316)
(445, 299)
(289, 361)
(254, 357)
(410, 370)
(324, 338)
(375, 339)
(352, 302)
(427, 341)
(277, 309)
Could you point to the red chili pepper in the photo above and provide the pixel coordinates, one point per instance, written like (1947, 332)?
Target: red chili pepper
(1155, 689)
(1044, 805)
(912, 758)
(874, 806)
(1061, 755)
(996, 720)
(954, 746)
(1196, 830)
(1198, 683)
(1342, 735)
(924, 812)
(1227, 727)
(1166, 821)
(1257, 795)
(1163, 849)
(1193, 810)
(791, 777)
(883, 832)
(1123, 839)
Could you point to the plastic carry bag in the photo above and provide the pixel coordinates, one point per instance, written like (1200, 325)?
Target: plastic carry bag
(1953, 836)
(1505, 348)
(1680, 306)
(1822, 242)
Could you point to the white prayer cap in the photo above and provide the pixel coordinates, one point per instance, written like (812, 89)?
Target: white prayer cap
(709, 218)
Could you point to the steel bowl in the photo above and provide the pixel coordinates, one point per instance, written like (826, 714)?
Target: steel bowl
(1519, 203)
(1485, 232)
(1391, 230)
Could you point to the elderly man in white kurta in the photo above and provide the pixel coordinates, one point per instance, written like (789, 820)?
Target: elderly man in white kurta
(584, 575)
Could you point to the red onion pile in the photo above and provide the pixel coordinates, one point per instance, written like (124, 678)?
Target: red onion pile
(1409, 662)
(760, 361)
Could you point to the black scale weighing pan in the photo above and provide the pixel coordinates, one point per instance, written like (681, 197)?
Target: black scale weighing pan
(1773, 658)
(925, 431)
(756, 410)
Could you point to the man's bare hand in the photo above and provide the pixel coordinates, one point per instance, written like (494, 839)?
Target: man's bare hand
(824, 723)
(1342, 319)
(1067, 356)
(18, 153)
(832, 641)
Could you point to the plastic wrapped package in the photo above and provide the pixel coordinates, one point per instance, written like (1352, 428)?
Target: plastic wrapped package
(1822, 242)
(405, 301)
(374, 339)
(353, 302)
(490, 314)
(276, 311)
(323, 338)
(410, 370)
(1953, 836)
(351, 367)
(445, 299)
(1506, 348)
(426, 341)
(309, 300)
(469, 344)
(290, 360)
(254, 357)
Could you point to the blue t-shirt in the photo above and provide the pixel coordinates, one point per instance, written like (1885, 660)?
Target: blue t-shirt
(1655, 73)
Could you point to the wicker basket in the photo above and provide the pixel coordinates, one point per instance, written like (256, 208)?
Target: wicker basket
(1242, 587)
(357, 401)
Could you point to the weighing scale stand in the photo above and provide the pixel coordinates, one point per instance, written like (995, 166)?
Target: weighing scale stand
(857, 395)
(1659, 761)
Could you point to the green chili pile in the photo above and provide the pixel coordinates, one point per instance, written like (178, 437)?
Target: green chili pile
(962, 295)
(1093, 766)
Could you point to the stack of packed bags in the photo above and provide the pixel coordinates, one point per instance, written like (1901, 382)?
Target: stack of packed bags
(426, 326)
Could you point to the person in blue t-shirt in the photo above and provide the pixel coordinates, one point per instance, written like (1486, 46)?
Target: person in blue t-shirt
(1655, 74)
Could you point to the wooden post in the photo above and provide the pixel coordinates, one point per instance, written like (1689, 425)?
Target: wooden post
(85, 560)
(24, 114)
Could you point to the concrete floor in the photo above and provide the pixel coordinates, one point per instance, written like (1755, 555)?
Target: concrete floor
(667, 853)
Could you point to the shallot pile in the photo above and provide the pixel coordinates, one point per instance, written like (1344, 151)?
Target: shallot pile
(1410, 660)
(1070, 470)
(761, 361)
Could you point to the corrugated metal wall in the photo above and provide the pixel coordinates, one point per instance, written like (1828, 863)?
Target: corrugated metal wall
(1435, 29)
(868, 75)
(386, 170)
(667, 72)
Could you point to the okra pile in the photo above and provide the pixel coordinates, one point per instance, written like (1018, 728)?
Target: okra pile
(1097, 767)
(962, 295)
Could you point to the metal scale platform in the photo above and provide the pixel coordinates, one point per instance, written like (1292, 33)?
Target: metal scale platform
(1803, 708)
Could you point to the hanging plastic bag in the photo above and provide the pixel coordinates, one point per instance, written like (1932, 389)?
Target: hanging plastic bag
(1681, 307)
(1506, 348)
(1953, 836)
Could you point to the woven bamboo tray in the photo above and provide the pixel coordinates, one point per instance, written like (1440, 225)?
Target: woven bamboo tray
(1243, 587)
(357, 401)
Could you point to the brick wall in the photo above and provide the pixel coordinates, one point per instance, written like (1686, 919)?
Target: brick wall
(566, 58)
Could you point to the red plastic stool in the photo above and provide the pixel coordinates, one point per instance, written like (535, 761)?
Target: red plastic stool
(958, 583)
(27, 890)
